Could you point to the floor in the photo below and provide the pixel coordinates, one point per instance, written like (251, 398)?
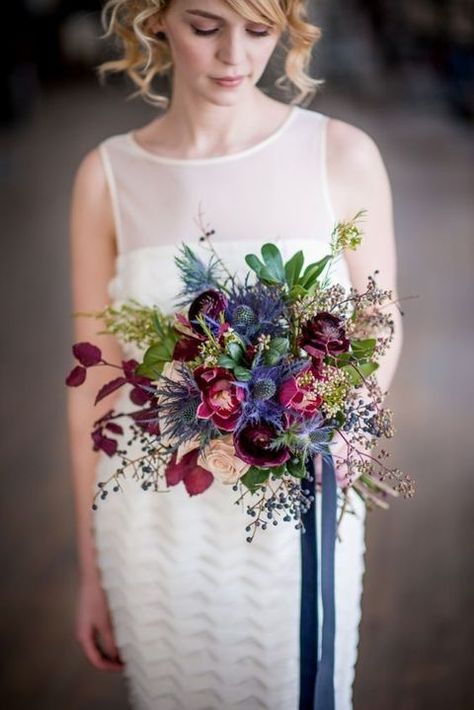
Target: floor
(417, 624)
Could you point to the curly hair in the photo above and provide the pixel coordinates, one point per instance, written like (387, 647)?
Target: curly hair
(145, 55)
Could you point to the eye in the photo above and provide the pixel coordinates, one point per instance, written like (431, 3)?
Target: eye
(203, 33)
(263, 33)
(206, 33)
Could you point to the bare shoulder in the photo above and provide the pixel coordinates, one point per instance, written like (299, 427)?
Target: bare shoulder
(90, 179)
(91, 200)
(350, 144)
(354, 165)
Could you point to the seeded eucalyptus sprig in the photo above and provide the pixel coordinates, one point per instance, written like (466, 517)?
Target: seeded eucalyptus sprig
(132, 322)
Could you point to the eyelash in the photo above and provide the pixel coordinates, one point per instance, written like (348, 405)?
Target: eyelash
(206, 33)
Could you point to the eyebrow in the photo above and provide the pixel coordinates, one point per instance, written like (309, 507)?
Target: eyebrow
(203, 13)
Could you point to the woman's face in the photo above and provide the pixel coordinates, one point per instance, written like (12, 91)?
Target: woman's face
(209, 41)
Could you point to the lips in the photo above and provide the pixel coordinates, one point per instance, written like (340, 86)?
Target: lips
(228, 81)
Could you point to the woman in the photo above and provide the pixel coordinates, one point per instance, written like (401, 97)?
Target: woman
(170, 592)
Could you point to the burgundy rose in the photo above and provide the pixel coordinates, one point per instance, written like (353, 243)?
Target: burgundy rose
(253, 445)
(221, 397)
(297, 392)
(209, 303)
(324, 335)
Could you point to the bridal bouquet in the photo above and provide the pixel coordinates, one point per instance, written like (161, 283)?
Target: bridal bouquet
(248, 380)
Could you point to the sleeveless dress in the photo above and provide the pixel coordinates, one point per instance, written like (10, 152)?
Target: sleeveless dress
(203, 619)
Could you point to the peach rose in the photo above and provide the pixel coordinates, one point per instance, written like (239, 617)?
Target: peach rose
(219, 458)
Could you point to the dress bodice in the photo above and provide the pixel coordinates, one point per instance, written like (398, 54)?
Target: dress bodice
(275, 191)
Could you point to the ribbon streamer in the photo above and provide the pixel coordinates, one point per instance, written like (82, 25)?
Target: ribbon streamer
(317, 675)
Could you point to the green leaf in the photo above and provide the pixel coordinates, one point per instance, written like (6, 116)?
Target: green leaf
(226, 361)
(363, 349)
(278, 471)
(242, 373)
(235, 352)
(254, 478)
(296, 292)
(312, 271)
(293, 268)
(278, 347)
(281, 345)
(366, 369)
(151, 371)
(268, 276)
(254, 262)
(342, 359)
(273, 261)
(296, 469)
(160, 352)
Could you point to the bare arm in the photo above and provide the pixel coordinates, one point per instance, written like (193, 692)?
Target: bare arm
(92, 265)
(358, 180)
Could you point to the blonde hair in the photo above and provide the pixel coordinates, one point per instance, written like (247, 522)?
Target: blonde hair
(145, 55)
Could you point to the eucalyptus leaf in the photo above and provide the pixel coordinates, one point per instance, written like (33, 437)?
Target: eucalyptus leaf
(236, 352)
(273, 261)
(254, 262)
(277, 348)
(226, 361)
(297, 292)
(269, 276)
(312, 271)
(242, 373)
(293, 268)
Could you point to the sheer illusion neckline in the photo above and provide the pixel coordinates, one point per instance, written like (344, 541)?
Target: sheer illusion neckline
(215, 159)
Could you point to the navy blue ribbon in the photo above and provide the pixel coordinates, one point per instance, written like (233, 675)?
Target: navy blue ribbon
(317, 675)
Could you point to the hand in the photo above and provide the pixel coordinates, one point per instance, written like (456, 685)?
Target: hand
(94, 627)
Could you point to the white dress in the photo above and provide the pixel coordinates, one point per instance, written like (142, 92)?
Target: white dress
(203, 619)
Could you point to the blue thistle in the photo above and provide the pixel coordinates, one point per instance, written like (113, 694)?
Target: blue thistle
(310, 436)
(195, 275)
(178, 404)
(261, 402)
(255, 309)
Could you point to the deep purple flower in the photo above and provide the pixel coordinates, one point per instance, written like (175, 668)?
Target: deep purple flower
(324, 335)
(253, 445)
(209, 303)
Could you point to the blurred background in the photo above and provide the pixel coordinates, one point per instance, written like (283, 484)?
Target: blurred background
(402, 71)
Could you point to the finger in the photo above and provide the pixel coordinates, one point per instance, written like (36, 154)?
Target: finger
(95, 657)
(107, 642)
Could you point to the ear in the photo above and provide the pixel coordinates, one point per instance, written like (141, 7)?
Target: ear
(155, 24)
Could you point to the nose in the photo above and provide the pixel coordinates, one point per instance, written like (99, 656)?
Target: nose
(231, 49)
